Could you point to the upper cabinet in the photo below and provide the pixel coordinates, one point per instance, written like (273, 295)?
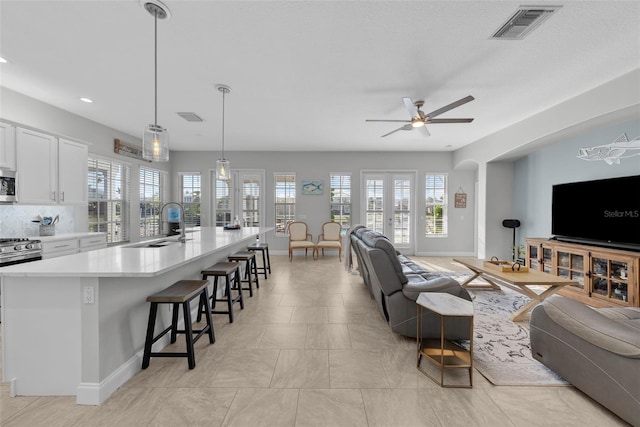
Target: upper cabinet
(72, 172)
(50, 170)
(7, 146)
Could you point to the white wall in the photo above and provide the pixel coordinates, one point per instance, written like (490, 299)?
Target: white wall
(538, 172)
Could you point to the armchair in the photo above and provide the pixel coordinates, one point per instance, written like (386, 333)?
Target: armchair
(330, 238)
(299, 238)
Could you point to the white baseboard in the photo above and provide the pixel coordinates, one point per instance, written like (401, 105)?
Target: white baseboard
(449, 254)
(97, 393)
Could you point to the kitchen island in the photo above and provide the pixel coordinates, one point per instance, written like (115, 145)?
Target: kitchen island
(75, 325)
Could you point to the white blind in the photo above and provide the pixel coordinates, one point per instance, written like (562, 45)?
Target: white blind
(109, 202)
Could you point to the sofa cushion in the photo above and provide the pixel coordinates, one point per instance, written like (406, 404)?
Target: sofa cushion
(621, 313)
(617, 336)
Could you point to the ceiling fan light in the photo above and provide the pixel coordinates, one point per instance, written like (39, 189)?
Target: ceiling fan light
(417, 123)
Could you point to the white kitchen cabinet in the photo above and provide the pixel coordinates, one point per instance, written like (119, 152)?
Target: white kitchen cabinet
(92, 243)
(7, 146)
(57, 248)
(72, 172)
(50, 170)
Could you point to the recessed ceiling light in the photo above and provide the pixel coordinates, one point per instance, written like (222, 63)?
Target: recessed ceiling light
(2, 60)
(87, 100)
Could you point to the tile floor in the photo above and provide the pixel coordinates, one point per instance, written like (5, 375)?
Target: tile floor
(309, 349)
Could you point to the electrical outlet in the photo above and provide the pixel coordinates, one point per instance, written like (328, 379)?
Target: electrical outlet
(26, 224)
(88, 295)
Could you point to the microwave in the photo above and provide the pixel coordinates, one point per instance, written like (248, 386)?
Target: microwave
(7, 186)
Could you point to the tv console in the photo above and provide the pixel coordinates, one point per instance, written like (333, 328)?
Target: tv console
(606, 276)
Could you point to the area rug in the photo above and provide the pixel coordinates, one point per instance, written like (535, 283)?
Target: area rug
(501, 347)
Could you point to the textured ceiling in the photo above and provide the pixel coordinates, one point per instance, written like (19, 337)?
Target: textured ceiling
(306, 74)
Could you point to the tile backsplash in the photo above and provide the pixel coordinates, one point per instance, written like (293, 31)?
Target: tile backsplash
(15, 220)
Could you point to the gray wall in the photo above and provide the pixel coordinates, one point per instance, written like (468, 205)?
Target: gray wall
(538, 172)
(318, 165)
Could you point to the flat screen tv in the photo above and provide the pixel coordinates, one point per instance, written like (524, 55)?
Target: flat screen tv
(603, 212)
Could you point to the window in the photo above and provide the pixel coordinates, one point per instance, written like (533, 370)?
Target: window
(341, 199)
(152, 188)
(251, 203)
(224, 202)
(436, 205)
(285, 197)
(191, 191)
(108, 191)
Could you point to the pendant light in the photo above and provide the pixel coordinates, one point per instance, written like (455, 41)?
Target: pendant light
(222, 165)
(155, 142)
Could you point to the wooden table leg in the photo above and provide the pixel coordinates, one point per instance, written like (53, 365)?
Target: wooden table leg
(490, 285)
(524, 313)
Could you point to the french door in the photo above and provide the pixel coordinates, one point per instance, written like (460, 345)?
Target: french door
(242, 196)
(388, 206)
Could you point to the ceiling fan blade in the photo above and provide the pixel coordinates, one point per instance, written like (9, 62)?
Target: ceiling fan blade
(449, 121)
(410, 107)
(450, 106)
(424, 131)
(405, 127)
(383, 120)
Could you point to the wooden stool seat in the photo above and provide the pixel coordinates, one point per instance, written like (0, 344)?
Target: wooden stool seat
(251, 269)
(266, 260)
(231, 272)
(180, 293)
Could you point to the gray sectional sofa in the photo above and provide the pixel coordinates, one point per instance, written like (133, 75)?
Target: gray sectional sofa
(395, 283)
(596, 350)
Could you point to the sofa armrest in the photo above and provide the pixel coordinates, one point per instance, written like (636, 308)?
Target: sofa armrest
(418, 284)
(621, 337)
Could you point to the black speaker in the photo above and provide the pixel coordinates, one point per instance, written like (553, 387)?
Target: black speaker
(511, 223)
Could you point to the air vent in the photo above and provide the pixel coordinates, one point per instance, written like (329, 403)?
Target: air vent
(525, 20)
(191, 117)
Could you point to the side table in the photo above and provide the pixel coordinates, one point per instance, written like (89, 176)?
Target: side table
(444, 353)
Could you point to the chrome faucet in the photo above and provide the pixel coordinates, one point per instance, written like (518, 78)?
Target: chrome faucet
(183, 238)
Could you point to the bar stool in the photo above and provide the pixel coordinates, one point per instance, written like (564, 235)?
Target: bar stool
(231, 272)
(250, 268)
(266, 260)
(180, 293)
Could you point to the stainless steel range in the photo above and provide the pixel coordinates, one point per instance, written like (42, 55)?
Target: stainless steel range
(19, 250)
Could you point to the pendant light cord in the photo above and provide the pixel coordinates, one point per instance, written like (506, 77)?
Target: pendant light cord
(223, 95)
(155, 65)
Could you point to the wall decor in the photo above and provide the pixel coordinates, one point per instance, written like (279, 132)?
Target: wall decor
(460, 199)
(312, 187)
(611, 154)
(125, 149)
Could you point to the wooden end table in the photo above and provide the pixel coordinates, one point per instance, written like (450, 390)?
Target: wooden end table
(442, 352)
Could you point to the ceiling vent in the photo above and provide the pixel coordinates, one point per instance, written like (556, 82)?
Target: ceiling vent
(525, 20)
(191, 117)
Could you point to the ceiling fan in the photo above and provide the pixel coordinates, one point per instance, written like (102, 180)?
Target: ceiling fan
(419, 119)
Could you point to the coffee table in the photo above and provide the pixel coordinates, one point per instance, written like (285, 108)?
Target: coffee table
(522, 282)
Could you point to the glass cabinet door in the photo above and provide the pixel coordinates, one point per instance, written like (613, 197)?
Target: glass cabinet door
(571, 266)
(547, 259)
(610, 278)
(533, 256)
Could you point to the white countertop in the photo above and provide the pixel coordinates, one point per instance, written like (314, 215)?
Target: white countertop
(132, 260)
(67, 236)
